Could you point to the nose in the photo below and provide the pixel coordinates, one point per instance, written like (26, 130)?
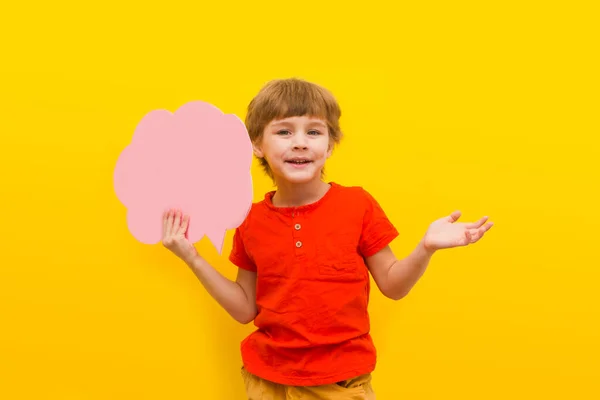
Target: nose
(299, 141)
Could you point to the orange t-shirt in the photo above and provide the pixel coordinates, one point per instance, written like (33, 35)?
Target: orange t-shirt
(312, 286)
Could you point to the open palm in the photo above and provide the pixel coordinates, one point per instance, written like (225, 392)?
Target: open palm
(447, 232)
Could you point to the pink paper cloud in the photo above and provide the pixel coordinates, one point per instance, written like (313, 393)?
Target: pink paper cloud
(197, 159)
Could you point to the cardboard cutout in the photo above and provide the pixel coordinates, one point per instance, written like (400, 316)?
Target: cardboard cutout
(197, 159)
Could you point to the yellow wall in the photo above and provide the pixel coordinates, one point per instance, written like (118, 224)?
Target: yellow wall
(487, 109)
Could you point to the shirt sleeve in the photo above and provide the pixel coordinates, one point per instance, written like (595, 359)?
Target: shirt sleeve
(377, 230)
(238, 256)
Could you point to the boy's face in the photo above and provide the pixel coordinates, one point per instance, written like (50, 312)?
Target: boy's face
(296, 148)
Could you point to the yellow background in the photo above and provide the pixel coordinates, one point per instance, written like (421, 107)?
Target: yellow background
(490, 109)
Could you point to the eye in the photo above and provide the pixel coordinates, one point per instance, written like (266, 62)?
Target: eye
(314, 132)
(283, 132)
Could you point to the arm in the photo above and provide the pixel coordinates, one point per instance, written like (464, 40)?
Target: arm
(237, 297)
(395, 278)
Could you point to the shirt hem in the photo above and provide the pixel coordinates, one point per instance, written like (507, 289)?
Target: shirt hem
(382, 243)
(240, 264)
(310, 381)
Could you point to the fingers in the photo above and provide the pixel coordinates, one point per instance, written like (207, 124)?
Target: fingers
(184, 225)
(177, 221)
(468, 236)
(174, 222)
(454, 216)
(476, 225)
(485, 228)
(476, 234)
(169, 223)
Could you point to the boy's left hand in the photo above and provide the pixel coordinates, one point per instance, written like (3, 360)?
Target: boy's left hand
(446, 232)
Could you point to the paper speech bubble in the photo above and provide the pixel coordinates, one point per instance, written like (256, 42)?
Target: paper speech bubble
(197, 159)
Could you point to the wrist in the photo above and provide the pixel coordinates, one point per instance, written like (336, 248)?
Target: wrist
(426, 248)
(192, 260)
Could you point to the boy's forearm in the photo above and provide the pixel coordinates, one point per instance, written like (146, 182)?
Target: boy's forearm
(405, 273)
(229, 294)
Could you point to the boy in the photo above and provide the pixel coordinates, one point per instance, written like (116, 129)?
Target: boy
(304, 254)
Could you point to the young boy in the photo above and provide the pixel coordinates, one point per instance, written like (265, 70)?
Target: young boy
(304, 254)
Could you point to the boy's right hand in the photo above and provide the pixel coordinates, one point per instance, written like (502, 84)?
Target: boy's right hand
(175, 235)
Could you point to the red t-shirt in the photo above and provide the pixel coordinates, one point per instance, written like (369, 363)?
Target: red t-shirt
(312, 286)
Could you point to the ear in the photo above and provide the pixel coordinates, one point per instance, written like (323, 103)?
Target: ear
(330, 148)
(257, 150)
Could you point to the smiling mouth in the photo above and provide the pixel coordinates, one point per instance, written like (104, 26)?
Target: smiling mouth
(298, 162)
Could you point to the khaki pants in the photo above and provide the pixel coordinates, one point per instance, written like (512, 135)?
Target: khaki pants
(358, 388)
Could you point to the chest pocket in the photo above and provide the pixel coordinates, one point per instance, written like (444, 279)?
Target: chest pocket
(339, 258)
